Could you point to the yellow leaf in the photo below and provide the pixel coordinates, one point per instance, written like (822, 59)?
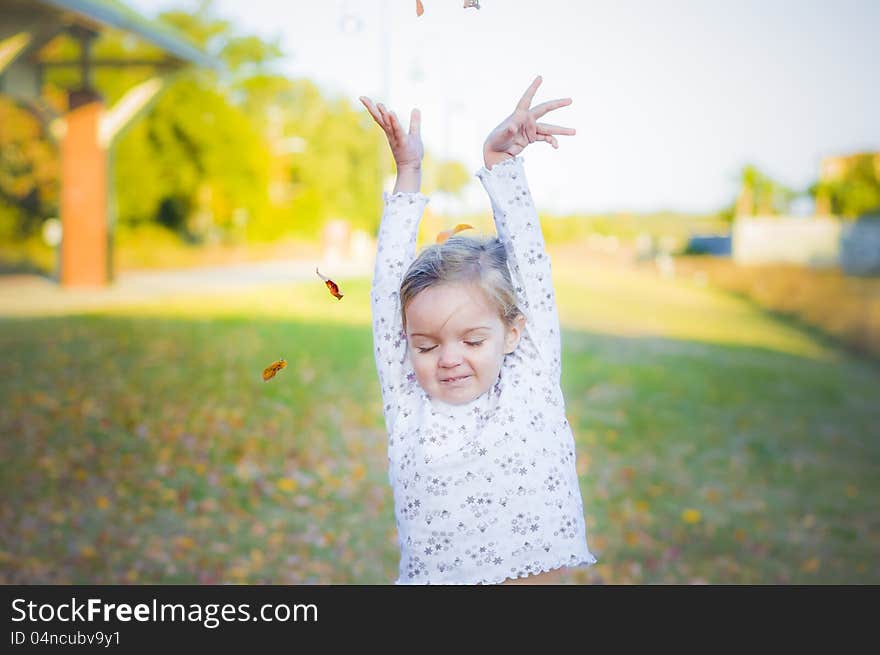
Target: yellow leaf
(186, 542)
(287, 484)
(88, 552)
(691, 516)
(632, 538)
(852, 491)
(739, 534)
(80, 474)
(641, 506)
(445, 234)
(358, 472)
(811, 565)
(102, 502)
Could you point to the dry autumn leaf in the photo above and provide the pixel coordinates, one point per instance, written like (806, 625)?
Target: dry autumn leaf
(334, 289)
(273, 368)
(445, 234)
(420, 9)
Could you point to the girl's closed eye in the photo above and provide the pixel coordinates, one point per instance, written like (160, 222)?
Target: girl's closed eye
(473, 344)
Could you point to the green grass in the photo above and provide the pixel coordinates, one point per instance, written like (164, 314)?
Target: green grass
(715, 442)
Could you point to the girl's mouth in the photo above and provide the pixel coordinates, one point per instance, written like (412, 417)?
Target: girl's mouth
(453, 380)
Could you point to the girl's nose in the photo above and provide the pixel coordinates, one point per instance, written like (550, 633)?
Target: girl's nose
(450, 356)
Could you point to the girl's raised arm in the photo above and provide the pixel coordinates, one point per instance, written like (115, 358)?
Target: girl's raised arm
(395, 252)
(516, 219)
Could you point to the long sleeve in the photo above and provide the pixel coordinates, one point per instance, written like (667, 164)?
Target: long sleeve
(519, 229)
(394, 253)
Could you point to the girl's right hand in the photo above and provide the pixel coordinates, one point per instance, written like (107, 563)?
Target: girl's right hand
(405, 146)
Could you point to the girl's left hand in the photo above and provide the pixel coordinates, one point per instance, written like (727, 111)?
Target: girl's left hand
(521, 128)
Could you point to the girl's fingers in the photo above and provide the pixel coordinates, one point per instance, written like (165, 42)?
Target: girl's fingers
(549, 138)
(386, 117)
(539, 110)
(415, 123)
(399, 134)
(366, 102)
(531, 129)
(526, 101)
(546, 128)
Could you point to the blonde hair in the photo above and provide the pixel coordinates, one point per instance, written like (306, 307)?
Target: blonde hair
(461, 259)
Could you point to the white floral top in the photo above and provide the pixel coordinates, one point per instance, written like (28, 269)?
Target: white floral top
(487, 490)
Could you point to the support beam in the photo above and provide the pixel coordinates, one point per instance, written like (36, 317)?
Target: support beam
(134, 103)
(11, 47)
(84, 188)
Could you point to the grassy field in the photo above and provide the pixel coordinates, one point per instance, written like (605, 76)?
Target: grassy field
(716, 443)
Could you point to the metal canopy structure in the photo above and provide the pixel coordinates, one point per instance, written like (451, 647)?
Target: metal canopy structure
(86, 130)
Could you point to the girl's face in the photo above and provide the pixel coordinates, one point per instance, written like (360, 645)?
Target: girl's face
(457, 341)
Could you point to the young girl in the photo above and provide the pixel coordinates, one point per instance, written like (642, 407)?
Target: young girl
(481, 457)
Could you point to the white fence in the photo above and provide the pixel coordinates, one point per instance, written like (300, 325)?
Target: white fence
(818, 242)
(783, 239)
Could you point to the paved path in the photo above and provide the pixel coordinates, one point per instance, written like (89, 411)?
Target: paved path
(27, 295)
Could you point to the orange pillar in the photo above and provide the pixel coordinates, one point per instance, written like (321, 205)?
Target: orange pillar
(84, 244)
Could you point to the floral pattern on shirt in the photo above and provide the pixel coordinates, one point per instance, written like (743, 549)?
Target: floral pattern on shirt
(487, 490)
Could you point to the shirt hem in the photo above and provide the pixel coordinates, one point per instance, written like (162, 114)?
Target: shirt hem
(585, 562)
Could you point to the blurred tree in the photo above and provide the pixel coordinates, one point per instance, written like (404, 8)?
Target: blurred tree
(28, 173)
(759, 194)
(447, 176)
(241, 151)
(849, 186)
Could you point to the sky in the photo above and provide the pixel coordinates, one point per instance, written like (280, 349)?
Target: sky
(670, 97)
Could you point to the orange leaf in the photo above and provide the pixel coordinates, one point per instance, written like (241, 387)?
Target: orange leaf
(445, 234)
(270, 371)
(334, 289)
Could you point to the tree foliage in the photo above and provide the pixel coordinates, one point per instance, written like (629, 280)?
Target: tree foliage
(856, 190)
(242, 151)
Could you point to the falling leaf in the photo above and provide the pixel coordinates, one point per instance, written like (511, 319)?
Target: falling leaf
(334, 289)
(445, 234)
(270, 371)
(691, 516)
